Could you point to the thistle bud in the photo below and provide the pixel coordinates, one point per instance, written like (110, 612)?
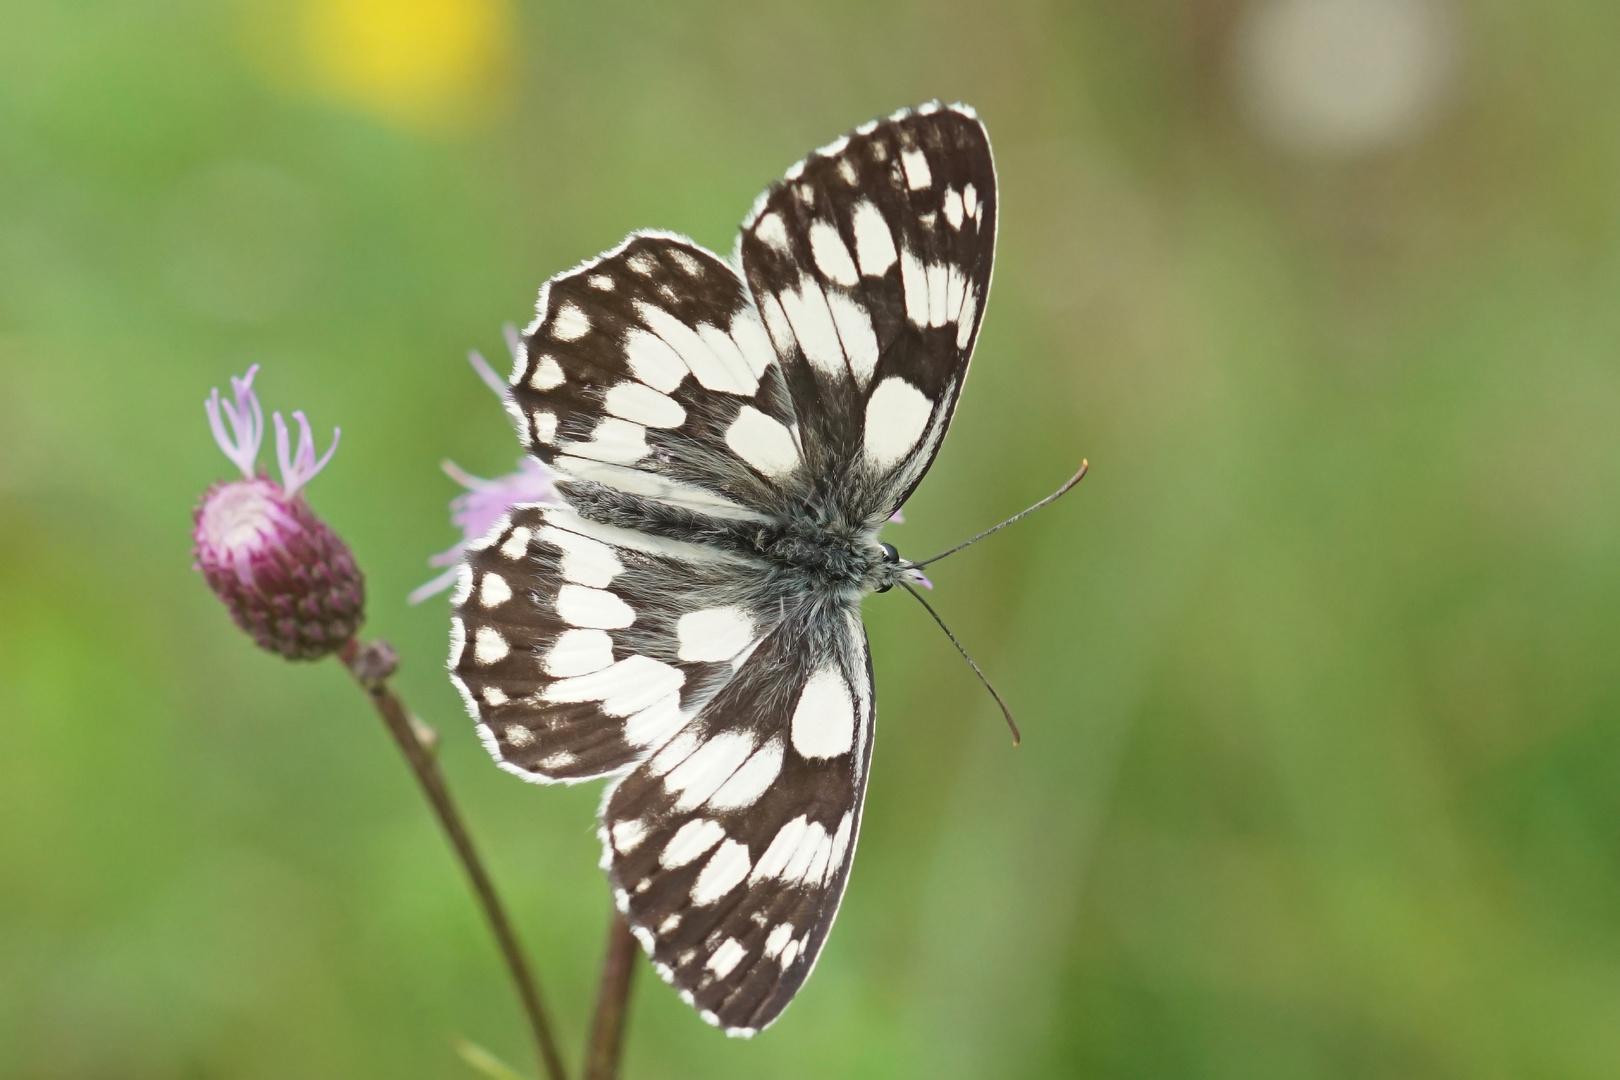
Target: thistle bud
(289, 581)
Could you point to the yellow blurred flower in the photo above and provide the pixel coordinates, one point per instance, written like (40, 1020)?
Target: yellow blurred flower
(428, 64)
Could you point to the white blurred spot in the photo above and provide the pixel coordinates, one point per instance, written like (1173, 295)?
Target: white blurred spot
(1340, 78)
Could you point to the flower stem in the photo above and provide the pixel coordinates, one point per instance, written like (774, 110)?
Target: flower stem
(612, 1002)
(371, 666)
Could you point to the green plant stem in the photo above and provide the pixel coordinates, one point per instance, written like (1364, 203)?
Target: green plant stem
(371, 666)
(612, 1002)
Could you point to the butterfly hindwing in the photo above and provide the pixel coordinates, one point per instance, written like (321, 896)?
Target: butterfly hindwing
(728, 850)
(871, 264)
(582, 648)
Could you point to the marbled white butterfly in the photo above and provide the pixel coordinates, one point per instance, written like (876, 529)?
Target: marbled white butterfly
(730, 435)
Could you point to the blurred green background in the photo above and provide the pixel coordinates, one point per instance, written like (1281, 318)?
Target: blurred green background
(1317, 670)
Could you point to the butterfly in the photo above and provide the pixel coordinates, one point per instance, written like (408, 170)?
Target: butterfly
(730, 435)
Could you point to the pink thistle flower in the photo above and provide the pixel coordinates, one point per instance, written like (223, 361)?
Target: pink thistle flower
(289, 581)
(486, 503)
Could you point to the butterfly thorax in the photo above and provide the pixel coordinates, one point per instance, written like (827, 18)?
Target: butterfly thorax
(826, 558)
(811, 551)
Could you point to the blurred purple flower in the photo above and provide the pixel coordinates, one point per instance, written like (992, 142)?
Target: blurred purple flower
(485, 502)
(288, 580)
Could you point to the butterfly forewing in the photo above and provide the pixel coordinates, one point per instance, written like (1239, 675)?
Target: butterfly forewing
(649, 370)
(871, 264)
(728, 435)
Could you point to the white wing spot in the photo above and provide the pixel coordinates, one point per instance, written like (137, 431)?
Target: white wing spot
(964, 318)
(697, 352)
(936, 293)
(652, 361)
(789, 954)
(970, 200)
(709, 766)
(927, 220)
(750, 781)
(857, 335)
(623, 688)
(805, 854)
(652, 726)
(628, 835)
(752, 341)
(953, 207)
(642, 263)
(600, 282)
(764, 443)
(548, 374)
(874, 243)
(834, 148)
(846, 169)
(618, 442)
(776, 321)
(519, 736)
(686, 261)
(724, 871)
(781, 849)
(578, 652)
(777, 940)
(494, 696)
(726, 957)
(545, 426)
(794, 171)
(493, 591)
(806, 194)
(824, 719)
(916, 166)
(955, 289)
(769, 228)
(714, 634)
(570, 323)
(806, 309)
(489, 646)
(516, 545)
(638, 402)
(670, 925)
(832, 257)
(867, 128)
(690, 841)
(841, 840)
(594, 609)
(731, 357)
(896, 415)
(915, 284)
(817, 870)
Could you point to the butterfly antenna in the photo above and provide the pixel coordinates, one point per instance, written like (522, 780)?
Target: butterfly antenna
(1017, 736)
(1054, 497)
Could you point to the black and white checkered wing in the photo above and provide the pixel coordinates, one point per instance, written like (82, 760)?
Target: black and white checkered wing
(871, 264)
(649, 370)
(729, 848)
(582, 648)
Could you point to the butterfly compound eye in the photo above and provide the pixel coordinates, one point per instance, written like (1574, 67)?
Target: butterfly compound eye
(890, 554)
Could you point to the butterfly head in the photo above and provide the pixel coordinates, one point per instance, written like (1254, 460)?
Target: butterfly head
(893, 570)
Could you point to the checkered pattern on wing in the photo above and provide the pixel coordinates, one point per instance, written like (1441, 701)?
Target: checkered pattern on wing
(729, 849)
(871, 265)
(649, 370)
(581, 649)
